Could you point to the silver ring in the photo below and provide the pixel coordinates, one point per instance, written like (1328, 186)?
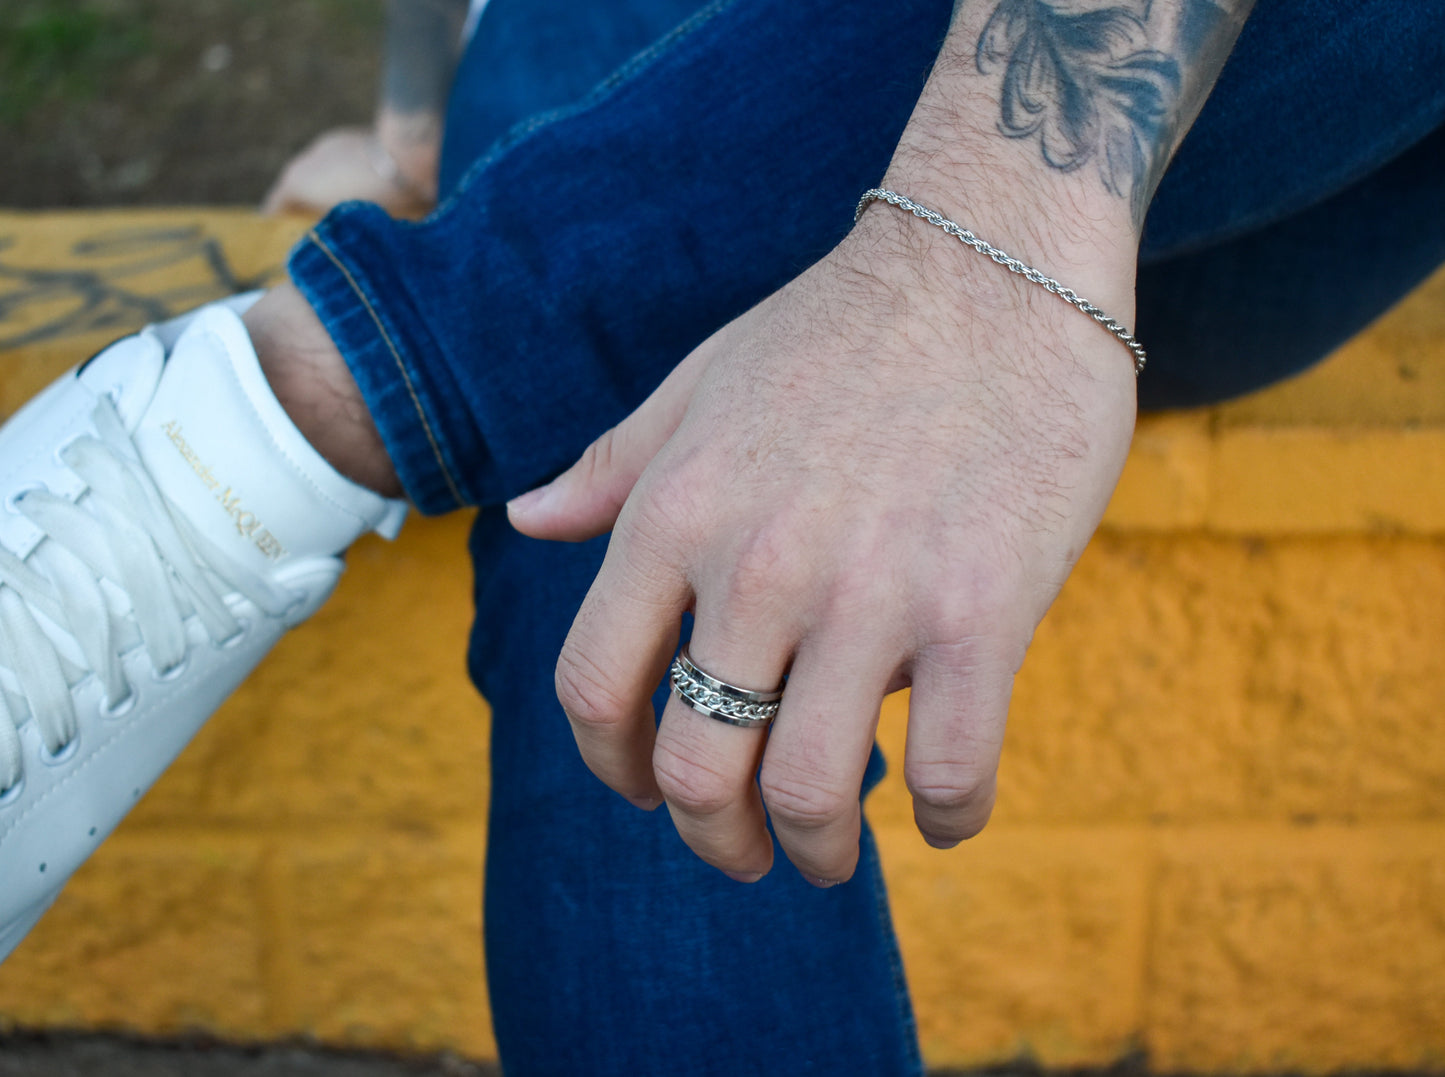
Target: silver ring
(707, 695)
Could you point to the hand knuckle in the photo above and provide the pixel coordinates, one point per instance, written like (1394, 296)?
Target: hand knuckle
(690, 784)
(966, 590)
(585, 691)
(946, 789)
(596, 459)
(666, 503)
(767, 563)
(803, 804)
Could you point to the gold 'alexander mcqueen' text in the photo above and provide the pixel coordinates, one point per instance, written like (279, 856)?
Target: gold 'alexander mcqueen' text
(248, 525)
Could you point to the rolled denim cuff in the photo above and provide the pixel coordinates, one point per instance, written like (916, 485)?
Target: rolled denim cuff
(345, 269)
(594, 247)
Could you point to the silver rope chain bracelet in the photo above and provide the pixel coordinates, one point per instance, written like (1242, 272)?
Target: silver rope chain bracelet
(1013, 265)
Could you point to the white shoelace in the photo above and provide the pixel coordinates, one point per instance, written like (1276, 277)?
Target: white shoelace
(119, 567)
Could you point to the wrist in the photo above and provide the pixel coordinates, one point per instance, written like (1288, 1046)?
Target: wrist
(922, 272)
(1059, 224)
(411, 142)
(1078, 236)
(956, 157)
(969, 290)
(970, 241)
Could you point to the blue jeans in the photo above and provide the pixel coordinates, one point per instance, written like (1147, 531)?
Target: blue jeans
(601, 221)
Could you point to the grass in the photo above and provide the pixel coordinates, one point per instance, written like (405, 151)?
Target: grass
(59, 50)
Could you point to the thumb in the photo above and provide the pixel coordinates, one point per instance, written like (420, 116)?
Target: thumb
(584, 500)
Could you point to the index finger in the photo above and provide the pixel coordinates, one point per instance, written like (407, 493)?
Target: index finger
(615, 655)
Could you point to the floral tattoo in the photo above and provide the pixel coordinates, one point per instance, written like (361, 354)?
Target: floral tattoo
(1112, 85)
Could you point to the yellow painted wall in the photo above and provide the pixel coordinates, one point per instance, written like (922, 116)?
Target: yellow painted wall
(1220, 837)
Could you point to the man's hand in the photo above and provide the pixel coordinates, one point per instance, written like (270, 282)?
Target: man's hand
(354, 164)
(881, 476)
(395, 163)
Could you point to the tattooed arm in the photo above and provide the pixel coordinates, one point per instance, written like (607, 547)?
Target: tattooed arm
(395, 162)
(422, 41)
(882, 475)
(1107, 87)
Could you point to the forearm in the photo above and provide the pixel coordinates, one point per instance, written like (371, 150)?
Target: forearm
(1047, 124)
(420, 58)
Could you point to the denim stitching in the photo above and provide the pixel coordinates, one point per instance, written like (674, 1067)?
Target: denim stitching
(400, 366)
(530, 126)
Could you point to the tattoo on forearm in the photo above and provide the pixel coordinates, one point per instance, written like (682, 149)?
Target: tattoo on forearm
(422, 38)
(1109, 84)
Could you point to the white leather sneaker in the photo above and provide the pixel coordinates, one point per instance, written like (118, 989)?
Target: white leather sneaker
(163, 524)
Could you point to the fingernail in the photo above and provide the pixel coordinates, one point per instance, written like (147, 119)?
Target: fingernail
(645, 803)
(743, 876)
(821, 883)
(941, 843)
(530, 501)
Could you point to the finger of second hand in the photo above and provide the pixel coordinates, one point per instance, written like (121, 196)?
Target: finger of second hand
(817, 752)
(707, 768)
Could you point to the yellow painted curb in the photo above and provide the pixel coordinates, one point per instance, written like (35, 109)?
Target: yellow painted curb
(1220, 835)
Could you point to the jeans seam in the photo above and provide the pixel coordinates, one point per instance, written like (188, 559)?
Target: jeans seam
(525, 128)
(426, 426)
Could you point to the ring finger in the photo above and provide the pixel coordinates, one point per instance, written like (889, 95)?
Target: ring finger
(706, 766)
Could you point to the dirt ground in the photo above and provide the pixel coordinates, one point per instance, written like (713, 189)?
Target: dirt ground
(113, 1056)
(146, 102)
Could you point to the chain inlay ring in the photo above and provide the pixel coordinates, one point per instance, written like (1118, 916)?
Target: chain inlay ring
(707, 695)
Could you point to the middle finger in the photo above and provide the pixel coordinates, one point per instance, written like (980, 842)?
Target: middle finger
(706, 767)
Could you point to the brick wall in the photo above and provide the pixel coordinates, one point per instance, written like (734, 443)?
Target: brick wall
(1220, 835)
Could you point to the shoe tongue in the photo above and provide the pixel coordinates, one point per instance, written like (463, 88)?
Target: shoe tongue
(223, 450)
